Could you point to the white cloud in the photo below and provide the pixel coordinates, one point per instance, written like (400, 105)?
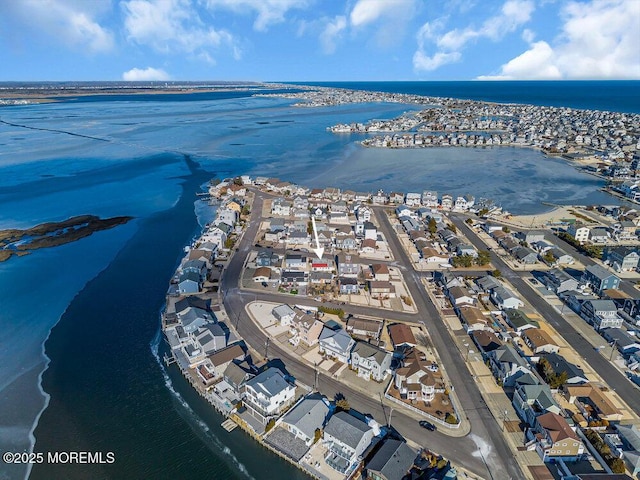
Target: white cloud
(146, 74)
(332, 33)
(512, 15)
(368, 11)
(269, 12)
(71, 22)
(599, 39)
(173, 26)
(423, 62)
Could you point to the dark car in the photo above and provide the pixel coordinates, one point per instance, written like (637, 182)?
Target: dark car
(429, 426)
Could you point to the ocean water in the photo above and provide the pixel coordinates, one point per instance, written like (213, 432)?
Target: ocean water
(103, 388)
(613, 96)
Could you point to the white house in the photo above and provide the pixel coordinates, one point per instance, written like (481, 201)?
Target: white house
(346, 438)
(284, 314)
(370, 362)
(268, 393)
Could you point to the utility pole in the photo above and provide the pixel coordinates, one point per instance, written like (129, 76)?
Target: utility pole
(613, 349)
(266, 349)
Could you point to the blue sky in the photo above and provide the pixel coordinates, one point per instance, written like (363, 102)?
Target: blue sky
(305, 40)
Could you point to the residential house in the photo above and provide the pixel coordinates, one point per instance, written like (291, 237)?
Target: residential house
(294, 277)
(280, 206)
(507, 364)
(370, 231)
(532, 236)
(459, 296)
(189, 282)
(540, 341)
(380, 271)
(472, 317)
(579, 232)
(531, 401)
(307, 417)
(305, 328)
(622, 259)
(391, 462)
(363, 213)
(268, 394)
(219, 361)
(370, 362)
(347, 265)
(559, 281)
(554, 439)
(368, 246)
(348, 286)
(505, 299)
(295, 261)
(267, 258)
(485, 340)
(630, 437)
(413, 199)
(284, 314)
(236, 375)
(336, 344)
(446, 202)
(488, 283)
(262, 274)
(429, 199)
(416, 380)
(403, 211)
(625, 343)
(559, 365)
(599, 235)
(379, 289)
(601, 314)
(466, 249)
(346, 439)
(592, 403)
(524, 255)
(401, 336)
(364, 327)
(519, 320)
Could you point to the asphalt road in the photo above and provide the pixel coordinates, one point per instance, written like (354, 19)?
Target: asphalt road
(463, 451)
(614, 378)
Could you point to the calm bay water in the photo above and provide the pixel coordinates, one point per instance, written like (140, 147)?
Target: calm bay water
(107, 390)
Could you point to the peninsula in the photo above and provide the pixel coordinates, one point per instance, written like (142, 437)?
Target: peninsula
(298, 308)
(17, 242)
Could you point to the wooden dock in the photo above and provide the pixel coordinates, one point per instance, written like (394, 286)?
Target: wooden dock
(229, 425)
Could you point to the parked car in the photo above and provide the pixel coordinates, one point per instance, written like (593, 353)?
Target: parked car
(428, 425)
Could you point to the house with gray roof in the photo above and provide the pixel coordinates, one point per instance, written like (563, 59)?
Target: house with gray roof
(559, 281)
(505, 298)
(621, 259)
(630, 436)
(284, 314)
(601, 314)
(391, 462)
(575, 375)
(194, 318)
(625, 343)
(530, 401)
(268, 394)
(488, 283)
(189, 282)
(370, 362)
(525, 255)
(507, 364)
(211, 337)
(306, 417)
(346, 438)
(336, 344)
(599, 278)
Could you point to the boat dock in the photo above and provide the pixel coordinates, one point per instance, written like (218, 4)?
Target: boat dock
(229, 425)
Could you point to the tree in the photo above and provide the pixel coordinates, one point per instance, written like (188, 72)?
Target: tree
(432, 226)
(441, 464)
(238, 181)
(617, 465)
(246, 210)
(506, 229)
(317, 435)
(484, 257)
(309, 227)
(496, 273)
(548, 257)
(270, 424)
(462, 261)
(451, 418)
(229, 242)
(469, 221)
(343, 404)
(452, 227)
(483, 212)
